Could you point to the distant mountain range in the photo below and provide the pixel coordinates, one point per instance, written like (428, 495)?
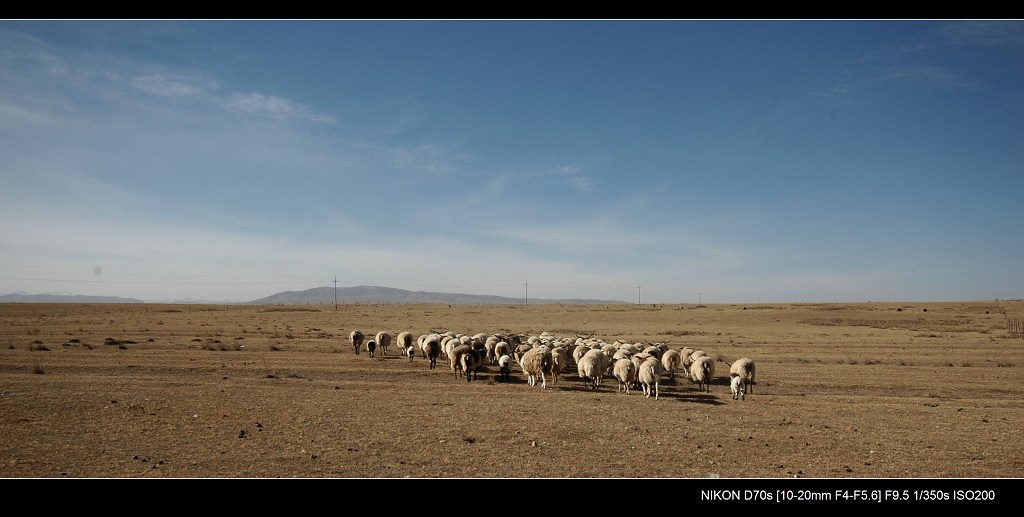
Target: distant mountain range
(371, 294)
(64, 298)
(320, 296)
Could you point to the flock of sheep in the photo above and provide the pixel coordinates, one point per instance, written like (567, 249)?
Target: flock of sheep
(632, 365)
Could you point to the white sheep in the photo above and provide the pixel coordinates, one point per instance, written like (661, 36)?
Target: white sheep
(520, 351)
(609, 349)
(639, 358)
(578, 352)
(502, 348)
(654, 350)
(404, 339)
(744, 367)
(559, 361)
(592, 366)
(536, 363)
(448, 343)
(702, 371)
(738, 385)
(357, 340)
(671, 360)
(625, 372)
(685, 353)
(649, 374)
(624, 352)
(383, 341)
(489, 345)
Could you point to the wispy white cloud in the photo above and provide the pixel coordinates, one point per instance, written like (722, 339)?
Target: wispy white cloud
(574, 177)
(933, 75)
(986, 33)
(926, 76)
(173, 85)
(273, 106)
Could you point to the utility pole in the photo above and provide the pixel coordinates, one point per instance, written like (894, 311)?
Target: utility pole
(527, 284)
(638, 294)
(698, 297)
(335, 292)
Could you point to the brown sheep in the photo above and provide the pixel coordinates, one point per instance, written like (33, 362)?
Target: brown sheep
(357, 340)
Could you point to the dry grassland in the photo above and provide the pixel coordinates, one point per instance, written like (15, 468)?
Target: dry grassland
(881, 390)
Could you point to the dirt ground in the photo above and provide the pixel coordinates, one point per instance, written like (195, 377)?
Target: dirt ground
(872, 390)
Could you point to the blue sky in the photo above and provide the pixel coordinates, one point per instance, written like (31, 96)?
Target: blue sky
(734, 161)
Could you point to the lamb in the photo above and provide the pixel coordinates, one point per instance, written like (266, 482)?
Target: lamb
(357, 340)
(625, 373)
(670, 361)
(410, 352)
(591, 367)
(744, 368)
(536, 362)
(649, 375)
(505, 367)
(702, 371)
(371, 347)
(738, 385)
(383, 341)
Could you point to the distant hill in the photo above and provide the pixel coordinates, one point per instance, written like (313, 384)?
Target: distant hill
(370, 294)
(64, 298)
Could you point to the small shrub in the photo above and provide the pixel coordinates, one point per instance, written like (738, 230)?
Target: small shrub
(37, 368)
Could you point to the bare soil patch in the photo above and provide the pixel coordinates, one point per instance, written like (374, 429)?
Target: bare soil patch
(881, 390)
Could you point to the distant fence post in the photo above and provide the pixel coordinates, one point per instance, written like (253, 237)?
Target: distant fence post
(1015, 329)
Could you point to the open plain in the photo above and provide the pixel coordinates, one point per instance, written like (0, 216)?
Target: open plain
(881, 390)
